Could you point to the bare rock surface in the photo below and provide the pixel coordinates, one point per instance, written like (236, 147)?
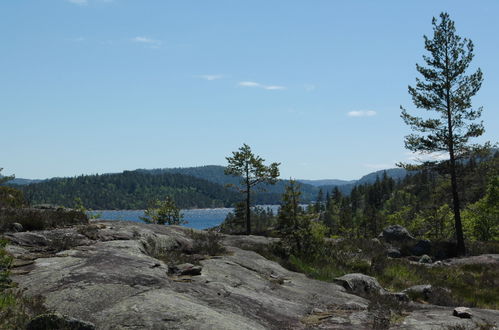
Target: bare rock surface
(108, 275)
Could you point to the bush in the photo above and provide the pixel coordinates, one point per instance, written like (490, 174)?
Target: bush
(207, 243)
(11, 198)
(164, 212)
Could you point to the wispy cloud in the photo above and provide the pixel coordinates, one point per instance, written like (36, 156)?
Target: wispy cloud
(309, 87)
(78, 2)
(424, 156)
(258, 85)
(211, 77)
(147, 41)
(362, 113)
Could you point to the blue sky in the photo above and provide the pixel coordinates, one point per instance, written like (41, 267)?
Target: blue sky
(98, 86)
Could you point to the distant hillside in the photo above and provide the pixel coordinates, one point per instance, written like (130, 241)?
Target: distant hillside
(192, 187)
(394, 173)
(215, 173)
(327, 182)
(23, 182)
(130, 190)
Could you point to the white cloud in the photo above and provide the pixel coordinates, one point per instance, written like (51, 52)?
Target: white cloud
(258, 85)
(211, 77)
(309, 87)
(274, 88)
(148, 41)
(78, 2)
(362, 113)
(249, 84)
(427, 156)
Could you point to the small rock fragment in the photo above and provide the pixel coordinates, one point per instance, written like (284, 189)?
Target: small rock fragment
(462, 312)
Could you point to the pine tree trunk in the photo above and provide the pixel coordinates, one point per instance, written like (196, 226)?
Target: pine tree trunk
(461, 249)
(248, 212)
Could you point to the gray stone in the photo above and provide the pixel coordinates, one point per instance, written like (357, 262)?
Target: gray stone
(425, 259)
(115, 282)
(396, 234)
(393, 252)
(423, 291)
(16, 227)
(462, 312)
(360, 284)
(186, 269)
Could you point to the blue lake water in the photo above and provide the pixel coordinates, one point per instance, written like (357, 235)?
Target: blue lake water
(197, 218)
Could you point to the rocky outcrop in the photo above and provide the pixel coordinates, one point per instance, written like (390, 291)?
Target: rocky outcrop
(121, 275)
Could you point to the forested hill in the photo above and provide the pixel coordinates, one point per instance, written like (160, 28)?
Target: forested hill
(265, 194)
(130, 190)
(193, 187)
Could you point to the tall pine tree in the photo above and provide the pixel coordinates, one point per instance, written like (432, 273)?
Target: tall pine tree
(446, 91)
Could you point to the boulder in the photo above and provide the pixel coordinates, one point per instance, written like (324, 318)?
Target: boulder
(360, 284)
(16, 227)
(58, 321)
(396, 234)
(425, 259)
(423, 246)
(462, 312)
(423, 291)
(393, 252)
(186, 269)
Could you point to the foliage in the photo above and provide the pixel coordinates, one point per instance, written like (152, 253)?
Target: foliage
(164, 212)
(482, 217)
(253, 172)
(470, 285)
(207, 243)
(80, 207)
(447, 91)
(4, 179)
(421, 202)
(11, 197)
(15, 309)
(301, 233)
(262, 223)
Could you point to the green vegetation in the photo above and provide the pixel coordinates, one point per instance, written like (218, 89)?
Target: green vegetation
(446, 90)
(164, 212)
(15, 309)
(10, 197)
(262, 220)
(253, 172)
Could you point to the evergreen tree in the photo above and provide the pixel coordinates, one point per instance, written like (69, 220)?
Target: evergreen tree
(446, 90)
(251, 168)
(290, 210)
(164, 212)
(319, 207)
(4, 179)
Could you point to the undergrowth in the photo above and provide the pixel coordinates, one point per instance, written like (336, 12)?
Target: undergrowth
(474, 285)
(15, 308)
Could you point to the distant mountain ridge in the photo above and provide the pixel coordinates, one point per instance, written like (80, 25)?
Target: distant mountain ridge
(192, 187)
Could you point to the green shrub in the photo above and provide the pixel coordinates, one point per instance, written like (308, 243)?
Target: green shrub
(207, 243)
